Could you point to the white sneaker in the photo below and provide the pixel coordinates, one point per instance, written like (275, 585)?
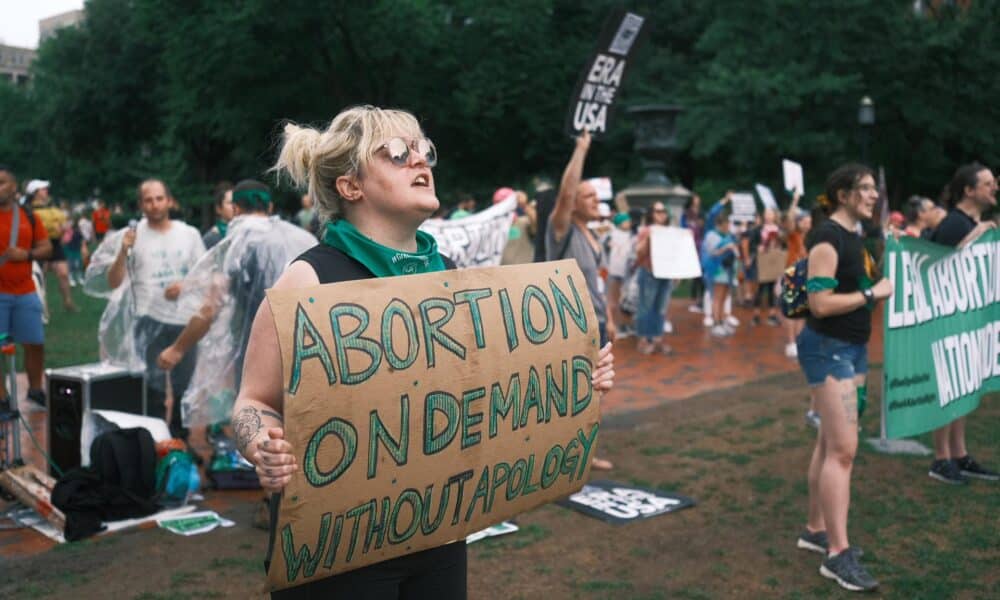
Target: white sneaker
(668, 327)
(791, 351)
(732, 321)
(708, 322)
(720, 331)
(72, 282)
(695, 308)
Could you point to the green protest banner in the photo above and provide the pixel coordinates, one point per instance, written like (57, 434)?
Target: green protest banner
(942, 331)
(424, 408)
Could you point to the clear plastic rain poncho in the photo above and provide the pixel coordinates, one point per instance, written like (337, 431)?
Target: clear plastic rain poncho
(228, 284)
(116, 331)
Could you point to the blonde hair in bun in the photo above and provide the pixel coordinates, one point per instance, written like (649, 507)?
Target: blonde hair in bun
(314, 159)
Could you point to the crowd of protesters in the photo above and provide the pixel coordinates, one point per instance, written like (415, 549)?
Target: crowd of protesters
(613, 247)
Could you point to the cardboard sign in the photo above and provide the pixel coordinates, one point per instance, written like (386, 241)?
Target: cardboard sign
(792, 172)
(477, 240)
(424, 408)
(673, 253)
(771, 265)
(744, 205)
(618, 503)
(766, 196)
(592, 104)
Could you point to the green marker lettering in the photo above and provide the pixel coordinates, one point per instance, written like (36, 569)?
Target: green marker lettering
(446, 404)
(399, 309)
(471, 418)
(348, 436)
(302, 351)
(379, 433)
(472, 297)
(354, 341)
(305, 559)
(432, 329)
(535, 335)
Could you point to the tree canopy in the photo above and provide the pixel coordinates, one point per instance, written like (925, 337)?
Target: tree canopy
(196, 91)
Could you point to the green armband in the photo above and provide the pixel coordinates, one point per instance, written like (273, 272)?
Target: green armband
(862, 399)
(820, 284)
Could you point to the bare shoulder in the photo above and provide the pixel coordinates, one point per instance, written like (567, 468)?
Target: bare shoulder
(298, 274)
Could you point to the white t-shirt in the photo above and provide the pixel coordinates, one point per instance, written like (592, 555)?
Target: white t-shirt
(160, 259)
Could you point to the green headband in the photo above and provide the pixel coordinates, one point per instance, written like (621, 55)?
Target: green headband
(253, 198)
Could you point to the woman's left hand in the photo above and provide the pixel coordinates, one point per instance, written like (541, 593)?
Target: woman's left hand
(603, 377)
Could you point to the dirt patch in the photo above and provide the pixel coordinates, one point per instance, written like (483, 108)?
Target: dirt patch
(741, 453)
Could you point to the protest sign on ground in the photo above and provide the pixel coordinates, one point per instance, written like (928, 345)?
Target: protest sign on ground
(673, 253)
(618, 503)
(942, 331)
(792, 172)
(744, 205)
(477, 240)
(593, 101)
(424, 408)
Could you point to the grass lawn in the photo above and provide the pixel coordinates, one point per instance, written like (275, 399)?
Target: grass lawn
(70, 338)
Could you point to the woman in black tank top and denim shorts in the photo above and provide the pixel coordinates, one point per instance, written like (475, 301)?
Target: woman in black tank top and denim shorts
(833, 354)
(370, 175)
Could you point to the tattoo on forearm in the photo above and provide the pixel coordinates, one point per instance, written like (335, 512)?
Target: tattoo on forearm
(271, 413)
(246, 424)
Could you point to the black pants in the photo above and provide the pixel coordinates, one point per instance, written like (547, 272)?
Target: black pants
(764, 290)
(151, 338)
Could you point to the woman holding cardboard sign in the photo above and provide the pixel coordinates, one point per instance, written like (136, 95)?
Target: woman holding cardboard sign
(370, 175)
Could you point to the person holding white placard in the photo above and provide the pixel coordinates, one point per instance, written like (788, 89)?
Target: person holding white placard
(653, 293)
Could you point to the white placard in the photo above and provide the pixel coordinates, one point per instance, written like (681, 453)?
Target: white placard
(744, 204)
(603, 187)
(766, 196)
(477, 240)
(673, 253)
(792, 172)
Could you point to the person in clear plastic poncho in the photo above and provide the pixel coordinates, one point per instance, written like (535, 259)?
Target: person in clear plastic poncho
(222, 293)
(140, 269)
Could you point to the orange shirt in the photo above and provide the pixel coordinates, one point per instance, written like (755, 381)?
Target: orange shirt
(15, 277)
(796, 248)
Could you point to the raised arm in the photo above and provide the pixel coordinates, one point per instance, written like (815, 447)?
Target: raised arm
(792, 212)
(562, 213)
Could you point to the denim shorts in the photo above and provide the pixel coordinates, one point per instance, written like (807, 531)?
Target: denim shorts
(821, 355)
(21, 318)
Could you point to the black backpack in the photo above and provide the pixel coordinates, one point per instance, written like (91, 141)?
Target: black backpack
(120, 483)
(126, 458)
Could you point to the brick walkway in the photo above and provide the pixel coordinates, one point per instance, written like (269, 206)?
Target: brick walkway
(699, 363)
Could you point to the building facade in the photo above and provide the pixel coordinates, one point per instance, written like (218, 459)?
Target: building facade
(15, 63)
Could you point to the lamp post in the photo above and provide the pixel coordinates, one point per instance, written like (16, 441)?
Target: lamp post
(866, 120)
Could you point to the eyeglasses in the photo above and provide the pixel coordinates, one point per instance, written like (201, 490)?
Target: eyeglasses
(398, 150)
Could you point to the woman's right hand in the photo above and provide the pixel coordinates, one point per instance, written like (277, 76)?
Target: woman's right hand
(882, 289)
(275, 461)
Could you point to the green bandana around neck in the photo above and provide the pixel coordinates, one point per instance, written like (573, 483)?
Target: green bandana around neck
(222, 226)
(381, 260)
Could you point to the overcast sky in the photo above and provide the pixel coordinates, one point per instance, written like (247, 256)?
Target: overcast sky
(19, 19)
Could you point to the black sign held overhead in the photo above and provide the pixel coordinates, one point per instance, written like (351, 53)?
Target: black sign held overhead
(617, 503)
(592, 104)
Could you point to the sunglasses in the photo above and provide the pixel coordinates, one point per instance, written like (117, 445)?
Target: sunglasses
(398, 150)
